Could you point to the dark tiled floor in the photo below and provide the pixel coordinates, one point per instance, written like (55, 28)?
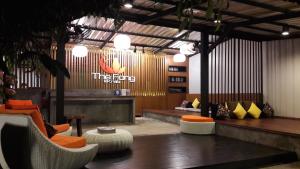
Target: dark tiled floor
(190, 151)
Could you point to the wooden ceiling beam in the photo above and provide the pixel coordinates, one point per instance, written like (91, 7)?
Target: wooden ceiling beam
(195, 27)
(264, 6)
(173, 41)
(237, 15)
(130, 33)
(159, 15)
(112, 34)
(132, 44)
(267, 19)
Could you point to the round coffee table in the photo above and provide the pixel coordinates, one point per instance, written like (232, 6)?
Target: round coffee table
(120, 140)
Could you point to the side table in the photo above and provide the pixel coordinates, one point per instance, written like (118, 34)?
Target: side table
(78, 119)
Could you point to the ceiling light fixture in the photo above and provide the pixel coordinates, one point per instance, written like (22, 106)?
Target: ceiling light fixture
(217, 19)
(187, 49)
(79, 51)
(122, 42)
(285, 31)
(128, 4)
(179, 57)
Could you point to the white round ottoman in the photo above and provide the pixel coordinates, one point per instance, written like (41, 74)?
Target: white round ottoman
(197, 127)
(120, 140)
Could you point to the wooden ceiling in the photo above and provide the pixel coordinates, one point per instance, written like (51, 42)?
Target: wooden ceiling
(258, 20)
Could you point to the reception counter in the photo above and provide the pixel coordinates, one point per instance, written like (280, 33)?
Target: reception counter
(98, 106)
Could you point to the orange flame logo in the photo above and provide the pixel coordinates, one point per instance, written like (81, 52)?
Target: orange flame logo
(116, 67)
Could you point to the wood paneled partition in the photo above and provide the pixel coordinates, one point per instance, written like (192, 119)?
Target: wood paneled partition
(235, 71)
(148, 69)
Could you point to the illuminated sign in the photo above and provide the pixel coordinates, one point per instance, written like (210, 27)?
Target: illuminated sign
(114, 72)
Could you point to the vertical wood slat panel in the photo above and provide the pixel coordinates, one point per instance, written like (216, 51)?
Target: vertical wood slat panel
(137, 64)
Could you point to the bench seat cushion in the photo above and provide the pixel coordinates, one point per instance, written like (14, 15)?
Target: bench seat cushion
(195, 118)
(69, 141)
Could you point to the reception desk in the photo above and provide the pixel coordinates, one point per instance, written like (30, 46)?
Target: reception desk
(99, 107)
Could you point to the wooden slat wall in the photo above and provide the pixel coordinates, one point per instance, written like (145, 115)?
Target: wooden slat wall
(25, 78)
(149, 69)
(236, 71)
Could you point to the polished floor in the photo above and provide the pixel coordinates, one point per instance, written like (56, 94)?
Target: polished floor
(143, 126)
(177, 151)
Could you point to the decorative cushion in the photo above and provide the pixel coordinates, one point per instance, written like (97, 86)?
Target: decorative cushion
(61, 127)
(195, 118)
(222, 113)
(254, 111)
(196, 103)
(12, 102)
(231, 105)
(2, 108)
(239, 111)
(51, 131)
(184, 103)
(69, 141)
(24, 107)
(268, 110)
(189, 105)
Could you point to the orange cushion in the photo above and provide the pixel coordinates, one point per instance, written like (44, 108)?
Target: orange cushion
(35, 115)
(24, 107)
(69, 141)
(61, 127)
(195, 118)
(2, 108)
(12, 102)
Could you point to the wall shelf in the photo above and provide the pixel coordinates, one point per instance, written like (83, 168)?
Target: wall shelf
(177, 68)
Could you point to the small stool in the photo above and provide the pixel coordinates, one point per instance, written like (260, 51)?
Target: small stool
(193, 124)
(78, 119)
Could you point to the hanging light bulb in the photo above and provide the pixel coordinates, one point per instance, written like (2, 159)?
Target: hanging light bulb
(128, 4)
(285, 31)
(79, 51)
(179, 57)
(122, 42)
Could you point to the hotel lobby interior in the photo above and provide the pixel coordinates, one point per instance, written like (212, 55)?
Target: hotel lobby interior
(142, 84)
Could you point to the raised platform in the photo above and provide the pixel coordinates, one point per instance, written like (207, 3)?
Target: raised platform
(275, 132)
(171, 116)
(280, 133)
(192, 151)
(282, 126)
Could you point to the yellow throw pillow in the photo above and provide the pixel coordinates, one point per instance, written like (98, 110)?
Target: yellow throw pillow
(195, 103)
(254, 111)
(239, 111)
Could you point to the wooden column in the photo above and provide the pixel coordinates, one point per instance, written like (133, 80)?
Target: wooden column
(60, 81)
(204, 74)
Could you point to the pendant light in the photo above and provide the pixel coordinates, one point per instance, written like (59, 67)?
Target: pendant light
(285, 31)
(79, 51)
(122, 42)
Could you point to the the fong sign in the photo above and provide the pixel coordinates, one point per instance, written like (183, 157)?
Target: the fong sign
(114, 72)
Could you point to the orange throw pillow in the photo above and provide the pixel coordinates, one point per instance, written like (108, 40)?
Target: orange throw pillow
(69, 141)
(24, 107)
(61, 127)
(2, 108)
(12, 102)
